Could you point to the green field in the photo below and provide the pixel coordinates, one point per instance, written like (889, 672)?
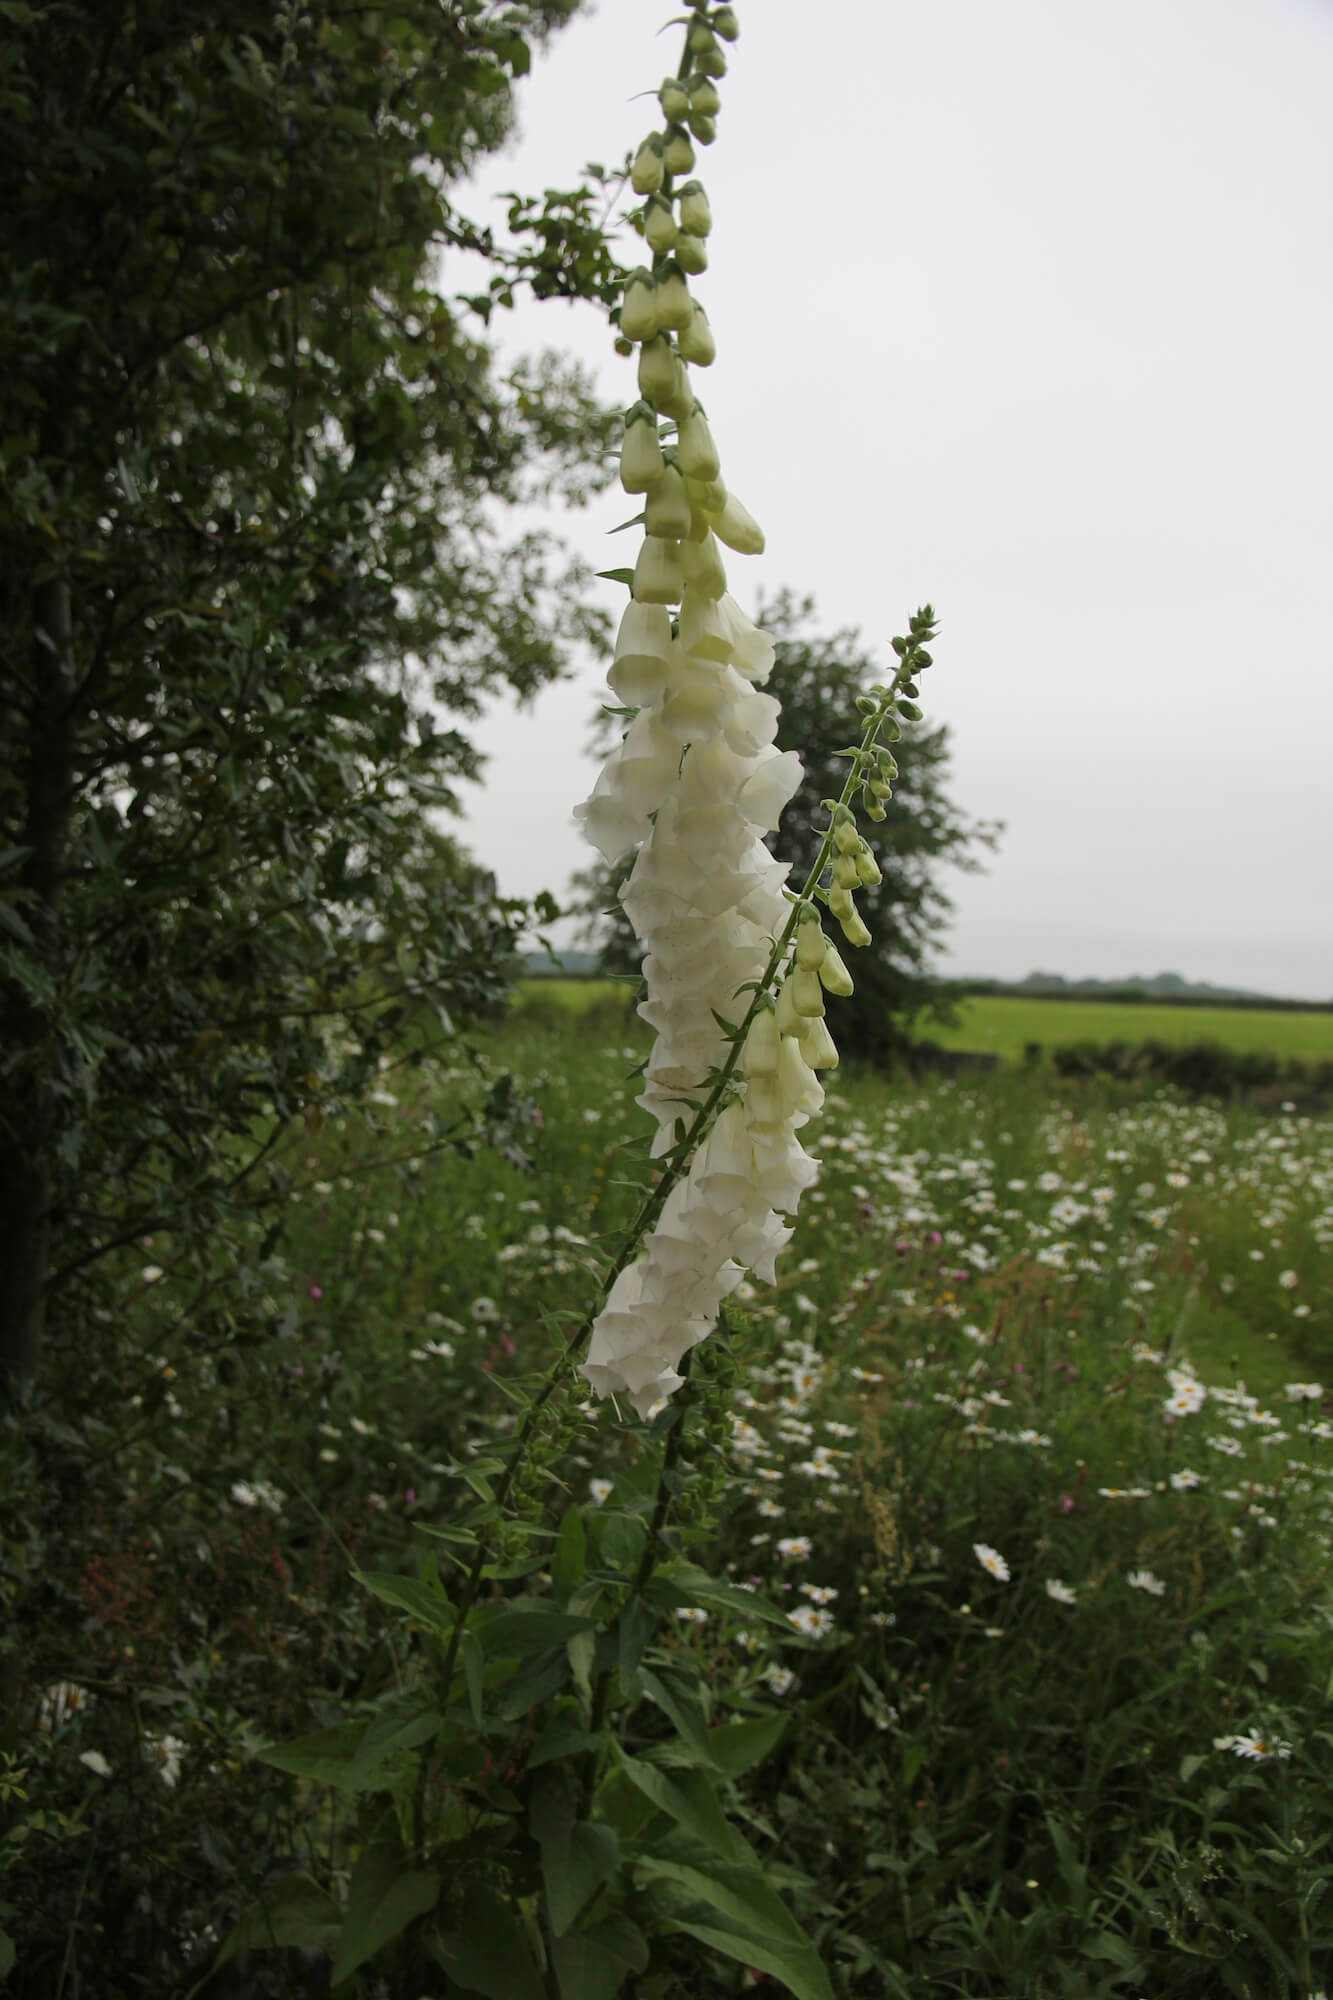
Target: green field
(1005, 1024)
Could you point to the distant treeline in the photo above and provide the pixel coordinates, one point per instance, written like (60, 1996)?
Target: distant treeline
(1203, 1069)
(1142, 996)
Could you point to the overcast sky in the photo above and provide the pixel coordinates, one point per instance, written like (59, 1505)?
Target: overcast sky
(1025, 310)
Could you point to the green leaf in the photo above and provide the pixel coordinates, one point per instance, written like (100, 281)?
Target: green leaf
(684, 1584)
(625, 576)
(1116, 1950)
(634, 1628)
(690, 1800)
(581, 1650)
(681, 1705)
(384, 1898)
(425, 1602)
(621, 1541)
(736, 1746)
(470, 1654)
(296, 1913)
(577, 1855)
(562, 1737)
(569, 1558)
(351, 1756)
(488, 1951)
(755, 1925)
(519, 1630)
(592, 1964)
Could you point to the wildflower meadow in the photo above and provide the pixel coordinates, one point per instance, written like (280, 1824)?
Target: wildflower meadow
(643, 1508)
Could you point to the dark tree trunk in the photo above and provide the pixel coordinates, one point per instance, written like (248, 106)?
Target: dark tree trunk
(27, 1125)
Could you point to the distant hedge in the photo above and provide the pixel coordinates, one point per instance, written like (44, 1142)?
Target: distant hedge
(1204, 1069)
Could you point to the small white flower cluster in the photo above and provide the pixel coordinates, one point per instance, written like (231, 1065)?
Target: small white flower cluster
(695, 784)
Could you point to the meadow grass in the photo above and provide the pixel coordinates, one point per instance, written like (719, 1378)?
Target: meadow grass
(1029, 1444)
(1004, 1025)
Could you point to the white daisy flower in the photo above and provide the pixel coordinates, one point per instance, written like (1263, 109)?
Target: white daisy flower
(991, 1560)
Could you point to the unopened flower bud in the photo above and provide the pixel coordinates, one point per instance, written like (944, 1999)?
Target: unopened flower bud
(868, 868)
(910, 711)
(833, 974)
(692, 256)
(708, 495)
(695, 447)
(701, 562)
(646, 174)
(638, 312)
(845, 871)
(704, 100)
(673, 98)
(811, 946)
(696, 340)
(678, 153)
(657, 573)
(724, 23)
(738, 529)
(704, 129)
(659, 225)
(844, 909)
(666, 511)
(760, 1054)
(888, 766)
(641, 460)
(675, 307)
(845, 836)
(785, 1014)
(709, 56)
(659, 372)
(818, 1046)
(875, 811)
(807, 995)
(695, 214)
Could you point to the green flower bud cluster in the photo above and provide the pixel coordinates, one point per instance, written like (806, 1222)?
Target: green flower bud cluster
(687, 505)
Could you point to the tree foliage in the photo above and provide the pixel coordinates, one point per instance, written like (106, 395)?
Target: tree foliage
(249, 552)
(817, 679)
